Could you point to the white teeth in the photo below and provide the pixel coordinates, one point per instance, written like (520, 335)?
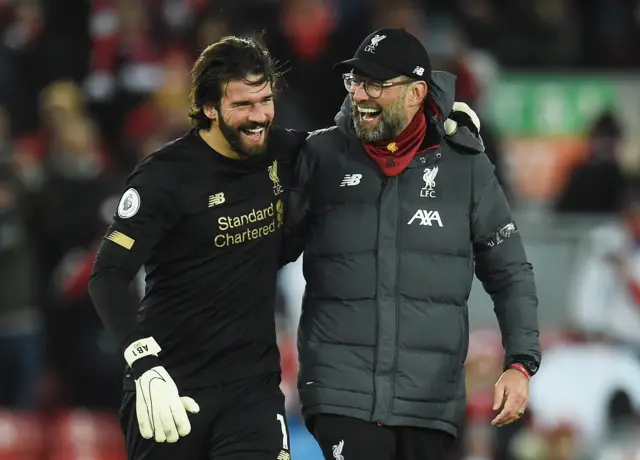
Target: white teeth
(255, 130)
(367, 110)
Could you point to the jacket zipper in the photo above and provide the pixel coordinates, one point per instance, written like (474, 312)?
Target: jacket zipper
(385, 181)
(394, 365)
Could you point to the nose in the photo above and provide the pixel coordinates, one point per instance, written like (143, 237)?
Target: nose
(359, 95)
(257, 114)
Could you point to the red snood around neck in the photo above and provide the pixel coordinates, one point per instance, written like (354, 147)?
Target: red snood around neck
(394, 157)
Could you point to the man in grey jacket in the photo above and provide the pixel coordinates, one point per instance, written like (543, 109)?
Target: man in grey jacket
(393, 217)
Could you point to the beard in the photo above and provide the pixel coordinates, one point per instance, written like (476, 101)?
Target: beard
(389, 124)
(235, 138)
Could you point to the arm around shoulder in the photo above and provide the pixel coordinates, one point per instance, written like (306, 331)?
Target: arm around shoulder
(299, 206)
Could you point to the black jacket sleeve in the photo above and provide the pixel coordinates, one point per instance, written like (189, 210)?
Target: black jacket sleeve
(296, 143)
(503, 269)
(150, 206)
(287, 143)
(297, 215)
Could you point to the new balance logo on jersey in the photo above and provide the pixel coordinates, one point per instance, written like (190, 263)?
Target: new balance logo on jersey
(427, 218)
(350, 179)
(215, 200)
(337, 450)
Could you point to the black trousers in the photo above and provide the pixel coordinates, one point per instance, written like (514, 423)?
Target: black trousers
(346, 438)
(243, 421)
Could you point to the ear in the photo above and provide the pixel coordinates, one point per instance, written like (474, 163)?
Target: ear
(418, 93)
(210, 112)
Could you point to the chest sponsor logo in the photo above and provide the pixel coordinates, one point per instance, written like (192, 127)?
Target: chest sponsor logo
(426, 217)
(216, 199)
(251, 226)
(273, 175)
(429, 178)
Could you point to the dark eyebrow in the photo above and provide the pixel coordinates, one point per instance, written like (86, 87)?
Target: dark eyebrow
(242, 103)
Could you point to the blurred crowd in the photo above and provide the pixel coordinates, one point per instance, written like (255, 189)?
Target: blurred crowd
(89, 87)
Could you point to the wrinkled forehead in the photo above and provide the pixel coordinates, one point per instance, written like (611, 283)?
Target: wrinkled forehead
(252, 89)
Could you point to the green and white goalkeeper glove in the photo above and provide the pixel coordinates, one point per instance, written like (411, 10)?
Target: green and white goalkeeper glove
(161, 411)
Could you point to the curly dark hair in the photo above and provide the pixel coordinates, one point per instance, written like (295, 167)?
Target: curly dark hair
(231, 58)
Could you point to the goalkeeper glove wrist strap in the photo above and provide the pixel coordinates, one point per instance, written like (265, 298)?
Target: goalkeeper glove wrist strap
(142, 355)
(142, 365)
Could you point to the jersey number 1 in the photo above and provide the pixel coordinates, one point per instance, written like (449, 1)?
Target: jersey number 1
(283, 427)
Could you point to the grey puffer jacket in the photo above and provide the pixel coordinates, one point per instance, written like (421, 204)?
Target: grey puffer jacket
(389, 263)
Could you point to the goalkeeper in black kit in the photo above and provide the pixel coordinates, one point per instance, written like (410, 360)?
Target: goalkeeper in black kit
(204, 216)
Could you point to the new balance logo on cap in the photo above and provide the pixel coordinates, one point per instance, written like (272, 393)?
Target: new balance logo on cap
(419, 70)
(350, 179)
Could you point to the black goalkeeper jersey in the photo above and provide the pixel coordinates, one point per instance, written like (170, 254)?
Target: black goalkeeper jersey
(208, 231)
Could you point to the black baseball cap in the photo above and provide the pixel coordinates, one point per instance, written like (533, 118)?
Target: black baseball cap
(389, 53)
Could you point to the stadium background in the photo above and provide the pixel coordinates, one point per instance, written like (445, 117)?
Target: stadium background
(87, 87)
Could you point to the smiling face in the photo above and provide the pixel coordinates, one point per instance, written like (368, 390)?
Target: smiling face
(245, 115)
(233, 82)
(382, 118)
